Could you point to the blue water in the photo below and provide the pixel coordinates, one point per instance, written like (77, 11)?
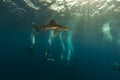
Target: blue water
(91, 60)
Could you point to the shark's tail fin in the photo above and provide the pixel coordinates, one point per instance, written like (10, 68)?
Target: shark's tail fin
(36, 27)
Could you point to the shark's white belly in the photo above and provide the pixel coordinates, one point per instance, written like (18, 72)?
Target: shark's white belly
(51, 28)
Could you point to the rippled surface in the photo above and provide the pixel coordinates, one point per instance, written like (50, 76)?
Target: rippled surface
(78, 7)
(85, 12)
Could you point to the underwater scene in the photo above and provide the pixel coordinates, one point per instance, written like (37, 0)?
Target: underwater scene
(59, 39)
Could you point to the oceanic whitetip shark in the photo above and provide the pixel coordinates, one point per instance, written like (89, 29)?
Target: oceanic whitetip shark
(51, 26)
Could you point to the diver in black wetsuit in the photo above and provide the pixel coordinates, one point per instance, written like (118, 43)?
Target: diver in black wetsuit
(117, 66)
(31, 49)
(47, 57)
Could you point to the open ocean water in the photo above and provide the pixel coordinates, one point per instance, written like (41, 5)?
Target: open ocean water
(90, 50)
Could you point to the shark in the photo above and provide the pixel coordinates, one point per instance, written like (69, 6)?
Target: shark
(51, 26)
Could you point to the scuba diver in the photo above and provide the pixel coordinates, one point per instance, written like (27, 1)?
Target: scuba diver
(31, 49)
(117, 66)
(47, 57)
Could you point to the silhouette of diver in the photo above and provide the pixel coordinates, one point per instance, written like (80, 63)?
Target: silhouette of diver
(117, 66)
(47, 57)
(31, 49)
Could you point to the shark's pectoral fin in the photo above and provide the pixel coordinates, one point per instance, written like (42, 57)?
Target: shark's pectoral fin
(56, 33)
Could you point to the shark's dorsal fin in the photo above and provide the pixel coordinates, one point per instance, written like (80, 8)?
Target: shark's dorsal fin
(52, 21)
